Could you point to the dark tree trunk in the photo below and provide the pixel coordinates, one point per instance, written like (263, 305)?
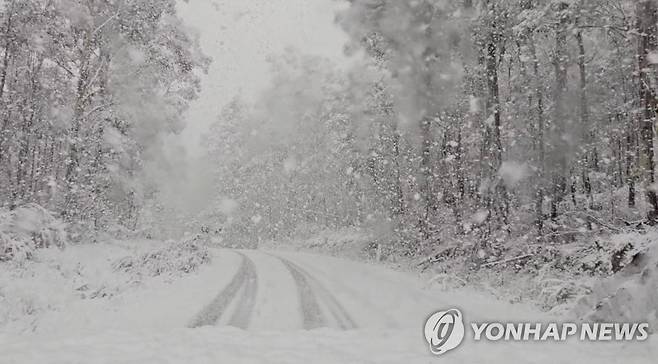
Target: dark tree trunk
(647, 17)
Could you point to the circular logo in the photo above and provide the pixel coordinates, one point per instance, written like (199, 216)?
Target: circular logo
(444, 331)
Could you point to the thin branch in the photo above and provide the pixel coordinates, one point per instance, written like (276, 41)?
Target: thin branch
(100, 27)
(506, 260)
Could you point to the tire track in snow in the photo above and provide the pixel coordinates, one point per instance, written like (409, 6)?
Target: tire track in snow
(212, 312)
(310, 290)
(388, 318)
(311, 312)
(247, 300)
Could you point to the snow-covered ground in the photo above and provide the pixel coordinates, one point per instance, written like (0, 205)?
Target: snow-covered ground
(299, 308)
(232, 345)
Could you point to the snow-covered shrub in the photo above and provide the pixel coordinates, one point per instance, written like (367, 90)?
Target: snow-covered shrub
(632, 293)
(55, 279)
(552, 275)
(175, 258)
(14, 249)
(558, 275)
(347, 242)
(27, 228)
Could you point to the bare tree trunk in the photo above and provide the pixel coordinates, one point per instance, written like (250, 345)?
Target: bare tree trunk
(538, 135)
(426, 184)
(8, 42)
(559, 152)
(647, 17)
(630, 177)
(591, 153)
(496, 197)
(75, 140)
(461, 184)
(398, 202)
(3, 77)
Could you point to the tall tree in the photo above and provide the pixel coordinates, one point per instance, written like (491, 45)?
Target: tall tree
(647, 46)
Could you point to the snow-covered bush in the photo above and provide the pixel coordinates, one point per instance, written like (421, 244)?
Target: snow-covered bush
(174, 258)
(27, 228)
(347, 242)
(632, 293)
(55, 279)
(554, 276)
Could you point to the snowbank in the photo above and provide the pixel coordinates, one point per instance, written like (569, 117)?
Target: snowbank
(53, 279)
(631, 295)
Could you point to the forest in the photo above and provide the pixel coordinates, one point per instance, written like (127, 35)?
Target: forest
(471, 125)
(468, 124)
(87, 91)
(491, 156)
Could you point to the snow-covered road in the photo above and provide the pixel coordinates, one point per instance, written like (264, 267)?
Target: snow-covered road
(271, 291)
(295, 291)
(275, 307)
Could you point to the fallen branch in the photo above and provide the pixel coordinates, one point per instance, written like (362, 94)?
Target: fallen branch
(594, 219)
(601, 223)
(438, 256)
(506, 260)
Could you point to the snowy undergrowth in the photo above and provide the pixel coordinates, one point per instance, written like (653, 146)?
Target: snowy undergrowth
(175, 258)
(632, 293)
(53, 279)
(27, 228)
(599, 278)
(350, 243)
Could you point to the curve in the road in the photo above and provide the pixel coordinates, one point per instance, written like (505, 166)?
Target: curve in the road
(310, 291)
(212, 312)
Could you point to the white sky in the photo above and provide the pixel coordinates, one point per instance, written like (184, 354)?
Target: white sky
(240, 35)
